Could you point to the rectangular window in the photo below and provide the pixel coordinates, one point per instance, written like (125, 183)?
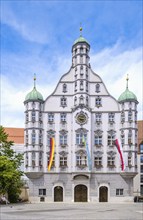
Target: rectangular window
(129, 161)
(111, 139)
(40, 137)
(63, 139)
(141, 189)
(33, 159)
(53, 162)
(98, 118)
(141, 168)
(97, 161)
(51, 117)
(119, 192)
(141, 148)
(42, 192)
(33, 116)
(98, 102)
(111, 161)
(40, 158)
(63, 117)
(63, 102)
(80, 138)
(40, 116)
(141, 158)
(33, 137)
(130, 116)
(63, 161)
(141, 178)
(81, 160)
(27, 117)
(98, 140)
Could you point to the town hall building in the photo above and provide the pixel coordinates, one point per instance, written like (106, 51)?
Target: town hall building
(84, 120)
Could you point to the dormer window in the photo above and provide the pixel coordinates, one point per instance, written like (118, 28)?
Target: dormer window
(97, 87)
(63, 102)
(64, 87)
(98, 102)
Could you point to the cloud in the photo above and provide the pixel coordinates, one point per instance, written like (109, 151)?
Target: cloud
(113, 64)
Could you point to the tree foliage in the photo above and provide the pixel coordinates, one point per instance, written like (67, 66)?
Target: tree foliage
(10, 174)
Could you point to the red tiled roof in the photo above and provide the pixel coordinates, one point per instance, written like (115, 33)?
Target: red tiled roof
(15, 134)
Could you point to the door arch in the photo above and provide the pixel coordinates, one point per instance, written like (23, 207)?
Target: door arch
(80, 193)
(103, 194)
(58, 194)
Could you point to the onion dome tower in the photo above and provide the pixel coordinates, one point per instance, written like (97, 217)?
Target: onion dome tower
(128, 103)
(33, 133)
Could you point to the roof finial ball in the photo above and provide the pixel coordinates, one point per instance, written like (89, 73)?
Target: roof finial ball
(127, 80)
(80, 30)
(34, 79)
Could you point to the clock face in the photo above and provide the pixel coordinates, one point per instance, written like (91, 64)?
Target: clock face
(81, 118)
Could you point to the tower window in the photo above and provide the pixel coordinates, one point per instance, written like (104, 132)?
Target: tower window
(81, 50)
(81, 85)
(81, 100)
(33, 116)
(33, 159)
(130, 116)
(33, 137)
(81, 59)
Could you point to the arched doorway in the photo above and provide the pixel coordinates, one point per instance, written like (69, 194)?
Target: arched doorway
(80, 193)
(103, 194)
(58, 194)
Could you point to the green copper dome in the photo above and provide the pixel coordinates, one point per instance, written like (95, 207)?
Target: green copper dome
(34, 95)
(81, 40)
(127, 96)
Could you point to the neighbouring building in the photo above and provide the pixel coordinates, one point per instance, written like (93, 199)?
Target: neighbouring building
(80, 114)
(138, 180)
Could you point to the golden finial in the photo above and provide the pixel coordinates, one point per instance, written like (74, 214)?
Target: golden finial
(127, 80)
(80, 30)
(34, 79)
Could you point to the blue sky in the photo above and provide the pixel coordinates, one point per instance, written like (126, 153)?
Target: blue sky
(37, 36)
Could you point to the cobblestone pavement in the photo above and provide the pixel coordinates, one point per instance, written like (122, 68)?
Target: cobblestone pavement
(72, 211)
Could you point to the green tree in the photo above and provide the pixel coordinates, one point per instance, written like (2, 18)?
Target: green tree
(10, 174)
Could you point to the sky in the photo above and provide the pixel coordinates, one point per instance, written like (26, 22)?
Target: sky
(37, 37)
